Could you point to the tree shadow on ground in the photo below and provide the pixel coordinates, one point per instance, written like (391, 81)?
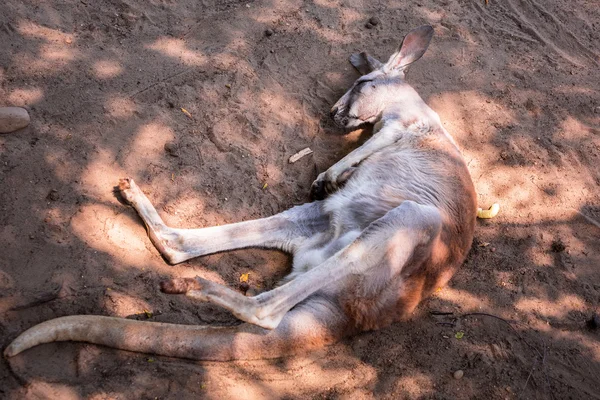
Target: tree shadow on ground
(107, 84)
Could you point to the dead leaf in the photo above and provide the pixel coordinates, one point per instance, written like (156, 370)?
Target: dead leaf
(244, 277)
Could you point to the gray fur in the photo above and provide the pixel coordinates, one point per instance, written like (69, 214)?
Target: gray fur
(396, 222)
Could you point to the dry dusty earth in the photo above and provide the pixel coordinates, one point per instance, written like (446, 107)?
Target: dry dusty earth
(517, 82)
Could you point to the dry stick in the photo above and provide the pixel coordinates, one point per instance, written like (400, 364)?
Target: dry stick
(200, 161)
(159, 82)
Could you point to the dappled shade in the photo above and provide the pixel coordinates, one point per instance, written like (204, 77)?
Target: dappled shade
(105, 83)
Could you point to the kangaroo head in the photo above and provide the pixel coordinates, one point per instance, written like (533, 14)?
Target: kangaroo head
(381, 91)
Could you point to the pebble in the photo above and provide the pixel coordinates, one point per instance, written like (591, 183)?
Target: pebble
(13, 118)
(269, 32)
(458, 374)
(171, 149)
(369, 25)
(374, 21)
(53, 195)
(597, 110)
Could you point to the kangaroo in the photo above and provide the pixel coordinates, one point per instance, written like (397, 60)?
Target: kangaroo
(392, 222)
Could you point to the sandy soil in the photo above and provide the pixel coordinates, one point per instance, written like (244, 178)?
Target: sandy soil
(515, 81)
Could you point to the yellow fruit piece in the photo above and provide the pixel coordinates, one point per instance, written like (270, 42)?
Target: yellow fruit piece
(186, 112)
(490, 213)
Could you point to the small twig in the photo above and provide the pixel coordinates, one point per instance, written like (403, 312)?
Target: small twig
(475, 314)
(200, 161)
(441, 312)
(159, 82)
(530, 374)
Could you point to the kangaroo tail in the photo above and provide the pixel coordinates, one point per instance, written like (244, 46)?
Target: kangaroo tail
(310, 325)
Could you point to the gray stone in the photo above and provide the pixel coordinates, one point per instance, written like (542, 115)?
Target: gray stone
(13, 118)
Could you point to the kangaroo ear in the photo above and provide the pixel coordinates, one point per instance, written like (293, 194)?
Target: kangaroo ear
(364, 63)
(413, 47)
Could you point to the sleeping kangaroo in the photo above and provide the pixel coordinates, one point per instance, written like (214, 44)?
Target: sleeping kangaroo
(397, 222)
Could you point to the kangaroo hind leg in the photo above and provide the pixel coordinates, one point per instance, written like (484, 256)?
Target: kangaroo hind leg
(284, 231)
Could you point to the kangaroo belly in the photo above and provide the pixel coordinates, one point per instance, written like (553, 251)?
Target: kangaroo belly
(313, 254)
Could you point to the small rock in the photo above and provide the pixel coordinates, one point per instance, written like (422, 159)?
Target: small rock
(369, 25)
(374, 21)
(171, 149)
(458, 374)
(13, 118)
(597, 110)
(269, 32)
(53, 195)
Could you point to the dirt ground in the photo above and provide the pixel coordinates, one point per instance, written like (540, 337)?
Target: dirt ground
(517, 82)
